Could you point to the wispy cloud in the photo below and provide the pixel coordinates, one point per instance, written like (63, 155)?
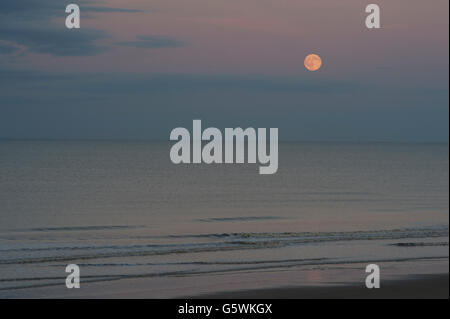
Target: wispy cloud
(108, 9)
(8, 49)
(54, 41)
(153, 42)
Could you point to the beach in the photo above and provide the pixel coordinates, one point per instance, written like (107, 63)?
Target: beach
(422, 287)
(173, 149)
(426, 279)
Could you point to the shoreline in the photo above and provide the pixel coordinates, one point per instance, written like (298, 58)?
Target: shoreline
(415, 287)
(418, 279)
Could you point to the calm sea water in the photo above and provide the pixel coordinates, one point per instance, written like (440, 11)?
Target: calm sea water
(123, 210)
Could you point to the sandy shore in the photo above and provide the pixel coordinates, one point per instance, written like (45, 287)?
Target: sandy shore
(429, 286)
(417, 279)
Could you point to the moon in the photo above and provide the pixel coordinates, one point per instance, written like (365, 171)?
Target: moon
(313, 62)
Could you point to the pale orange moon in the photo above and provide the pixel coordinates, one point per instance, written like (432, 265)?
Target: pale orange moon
(313, 62)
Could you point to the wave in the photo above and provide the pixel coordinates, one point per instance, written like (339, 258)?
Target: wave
(244, 219)
(421, 244)
(429, 232)
(81, 228)
(219, 242)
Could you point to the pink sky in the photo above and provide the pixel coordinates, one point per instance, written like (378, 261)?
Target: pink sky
(270, 37)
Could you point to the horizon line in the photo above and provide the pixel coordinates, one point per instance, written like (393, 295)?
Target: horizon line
(146, 140)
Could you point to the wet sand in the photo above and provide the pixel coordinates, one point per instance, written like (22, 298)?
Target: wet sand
(418, 287)
(418, 279)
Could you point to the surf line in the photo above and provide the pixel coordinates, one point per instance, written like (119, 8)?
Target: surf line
(255, 140)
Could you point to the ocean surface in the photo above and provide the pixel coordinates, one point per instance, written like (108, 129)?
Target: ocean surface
(122, 210)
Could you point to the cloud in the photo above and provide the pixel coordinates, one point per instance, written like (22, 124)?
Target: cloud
(108, 9)
(8, 49)
(153, 42)
(34, 9)
(31, 24)
(55, 41)
(52, 7)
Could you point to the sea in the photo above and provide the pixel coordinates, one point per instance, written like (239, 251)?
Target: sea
(122, 210)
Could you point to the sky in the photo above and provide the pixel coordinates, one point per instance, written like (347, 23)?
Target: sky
(138, 69)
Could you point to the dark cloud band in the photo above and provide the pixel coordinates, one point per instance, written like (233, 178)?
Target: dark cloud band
(28, 23)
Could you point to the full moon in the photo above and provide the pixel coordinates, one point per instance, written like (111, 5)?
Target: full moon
(313, 62)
